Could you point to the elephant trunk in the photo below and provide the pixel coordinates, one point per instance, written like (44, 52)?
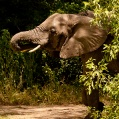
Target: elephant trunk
(27, 40)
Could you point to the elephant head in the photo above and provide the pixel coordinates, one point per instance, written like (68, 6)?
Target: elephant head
(69, 34)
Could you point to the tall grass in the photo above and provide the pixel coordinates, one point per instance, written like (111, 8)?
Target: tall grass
(49, 94)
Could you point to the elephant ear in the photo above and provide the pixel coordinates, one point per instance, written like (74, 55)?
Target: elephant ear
(85, 37)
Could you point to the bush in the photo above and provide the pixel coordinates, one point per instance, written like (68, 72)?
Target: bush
(108, 16)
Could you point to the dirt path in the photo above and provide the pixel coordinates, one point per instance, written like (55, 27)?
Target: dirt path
(36, 112)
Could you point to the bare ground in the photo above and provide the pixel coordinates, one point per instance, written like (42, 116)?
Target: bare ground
(37, 112)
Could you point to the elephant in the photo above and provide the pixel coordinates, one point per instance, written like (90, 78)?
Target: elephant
(66, 36)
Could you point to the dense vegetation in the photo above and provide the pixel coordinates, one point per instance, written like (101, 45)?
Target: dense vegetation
(24, 71)
(107, 14)
(38, 78)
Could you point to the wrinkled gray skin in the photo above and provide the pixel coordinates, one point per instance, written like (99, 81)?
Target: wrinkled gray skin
(66, 36)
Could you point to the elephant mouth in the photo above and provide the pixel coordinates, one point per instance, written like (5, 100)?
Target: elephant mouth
(28, 46)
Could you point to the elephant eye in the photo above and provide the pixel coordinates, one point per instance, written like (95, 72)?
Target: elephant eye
(53, 30)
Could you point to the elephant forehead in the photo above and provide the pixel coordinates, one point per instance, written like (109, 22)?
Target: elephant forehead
(55, 22)
(65, 17)
(61, 19)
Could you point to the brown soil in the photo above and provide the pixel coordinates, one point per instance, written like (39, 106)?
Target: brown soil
(37, 112)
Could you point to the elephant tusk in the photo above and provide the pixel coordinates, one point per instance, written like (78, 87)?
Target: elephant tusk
(34, 49)
(25, 50)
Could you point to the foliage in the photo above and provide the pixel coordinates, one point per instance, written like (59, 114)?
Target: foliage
(66, 7)
(107, 15)
(95, 72)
